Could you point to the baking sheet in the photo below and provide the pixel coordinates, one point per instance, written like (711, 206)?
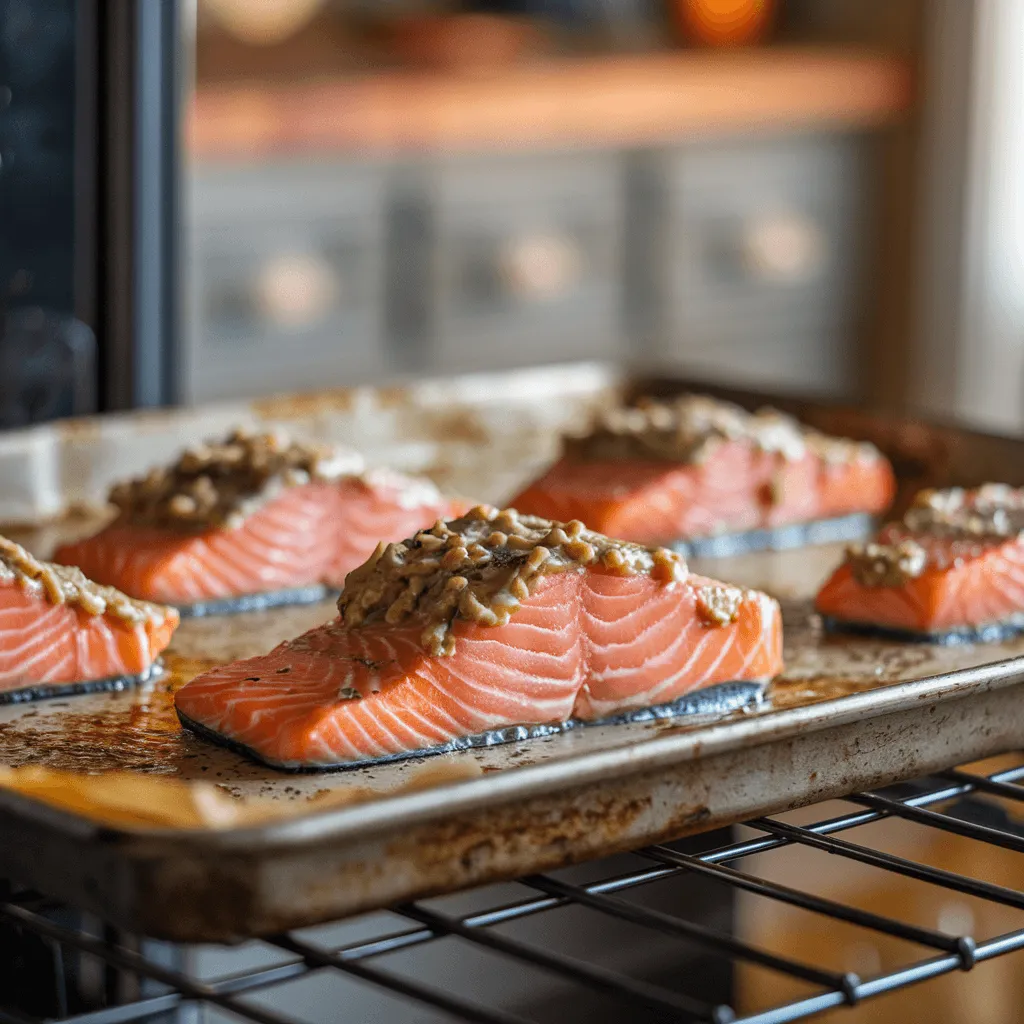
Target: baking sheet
(192, 841)
(137, 730)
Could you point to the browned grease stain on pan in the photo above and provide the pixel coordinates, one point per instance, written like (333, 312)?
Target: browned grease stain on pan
(139, 730)
(141, 735)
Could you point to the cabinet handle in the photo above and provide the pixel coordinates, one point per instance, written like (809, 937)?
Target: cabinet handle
(539, 267)
(784, 248)
(296, 290)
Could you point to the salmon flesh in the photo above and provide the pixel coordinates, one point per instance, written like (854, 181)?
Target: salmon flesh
(64, 634)
(293, 548)
(951, 570)
(713, 479)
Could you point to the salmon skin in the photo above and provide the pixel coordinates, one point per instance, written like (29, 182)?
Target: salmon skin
(713, 478)
(257, 602)
(491, 628)
(782, 538)
(709, 701)
(62, 634)
(253, 522)
(51, 691)
(951, 571)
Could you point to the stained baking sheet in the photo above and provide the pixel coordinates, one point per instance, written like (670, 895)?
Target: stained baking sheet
(849, 712)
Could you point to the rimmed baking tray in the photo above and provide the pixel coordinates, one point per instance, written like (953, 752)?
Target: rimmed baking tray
(849, 713)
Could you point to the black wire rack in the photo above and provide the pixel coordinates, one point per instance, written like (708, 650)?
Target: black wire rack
(61, 965)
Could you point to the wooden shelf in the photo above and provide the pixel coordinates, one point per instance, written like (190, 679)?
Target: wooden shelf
(594, 102)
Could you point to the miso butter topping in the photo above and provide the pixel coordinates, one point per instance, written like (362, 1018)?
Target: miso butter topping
(220, 483)
(718, 604)
(66, 584)
(993, 510)
(689, 428)
(480, 567)
(940, 529)
(887, 565)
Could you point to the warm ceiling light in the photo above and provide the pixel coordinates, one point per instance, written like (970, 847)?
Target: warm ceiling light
(263, 22)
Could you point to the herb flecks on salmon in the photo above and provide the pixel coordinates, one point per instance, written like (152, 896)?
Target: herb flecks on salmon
(252, 514)
(61, 628)
(954, 565)
(480, 567)
(574, 627)
(697, 467)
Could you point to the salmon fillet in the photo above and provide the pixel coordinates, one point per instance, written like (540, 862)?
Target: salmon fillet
(701, 468)
(953, 568)
(606, 628)
(261, 535)
(62, 632)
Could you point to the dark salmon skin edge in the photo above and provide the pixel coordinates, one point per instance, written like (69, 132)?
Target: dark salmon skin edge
(856, 526)
(716, 700)
(312, 594)
(47, 691)
(991, 633)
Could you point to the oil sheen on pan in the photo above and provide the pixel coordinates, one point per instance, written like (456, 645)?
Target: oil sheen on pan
(713, 480)
(63, 634)
(951, 571)
(490, 628)
(254, 521)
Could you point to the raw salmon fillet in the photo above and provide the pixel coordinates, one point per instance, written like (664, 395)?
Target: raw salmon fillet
(61, 630)
(698, 467)
(488, 621)
(304, 517)
(953, 568)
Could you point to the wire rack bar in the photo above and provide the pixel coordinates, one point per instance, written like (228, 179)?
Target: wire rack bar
(636, 992)
(678, 928)
(921, 804)
(816, 904)
(461, 1008)
(984, 784)
(922, 816)
(884, 983)
(132, 962)
(891, 862)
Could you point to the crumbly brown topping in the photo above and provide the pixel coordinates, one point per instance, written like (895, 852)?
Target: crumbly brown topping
(718, 604)
(993, 510)
(689, 428)
(67, 584)
(886, 565)
(480, 567)
(218, 484)
(964, 521)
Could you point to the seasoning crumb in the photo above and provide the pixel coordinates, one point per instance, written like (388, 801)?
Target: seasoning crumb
(886, 565)
(480, 567)
(719, 604)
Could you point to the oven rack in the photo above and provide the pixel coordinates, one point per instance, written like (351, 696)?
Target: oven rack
(137, 980)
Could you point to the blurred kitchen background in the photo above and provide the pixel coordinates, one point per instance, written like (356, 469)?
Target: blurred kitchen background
(821, 196)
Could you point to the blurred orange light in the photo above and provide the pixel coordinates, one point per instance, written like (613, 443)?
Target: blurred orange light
(724, 22)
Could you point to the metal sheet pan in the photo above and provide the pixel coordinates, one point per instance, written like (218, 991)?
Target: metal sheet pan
(849, 713)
